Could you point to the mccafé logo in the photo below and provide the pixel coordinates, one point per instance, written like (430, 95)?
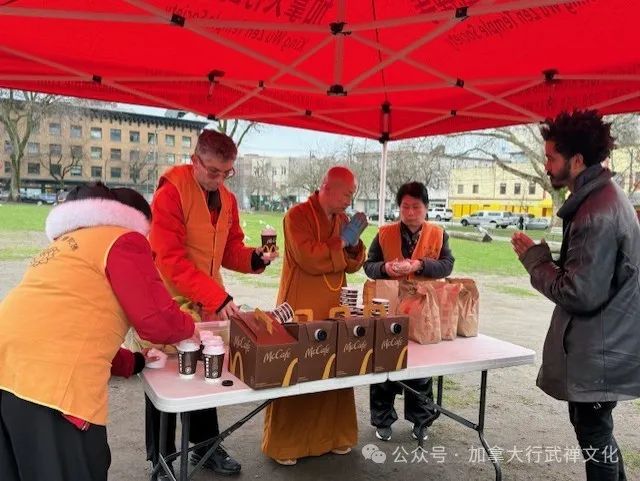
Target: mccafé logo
(242, 343)
(316, 351)
(392, 342)
(360, 345)
(279, 355)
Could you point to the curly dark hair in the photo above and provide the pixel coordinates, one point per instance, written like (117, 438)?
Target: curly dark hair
(417, 190)
(580, 132)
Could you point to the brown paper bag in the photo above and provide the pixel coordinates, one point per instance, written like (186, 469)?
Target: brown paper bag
(447, 298)
(418, 300)
(469, 307)
(385, 289)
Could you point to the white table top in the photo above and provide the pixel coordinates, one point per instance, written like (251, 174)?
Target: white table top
(171, 393)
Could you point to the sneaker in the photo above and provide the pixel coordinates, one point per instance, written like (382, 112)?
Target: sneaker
(342, 451)
(383, 434)
(286, 462)
(220, 462)
(415, 432)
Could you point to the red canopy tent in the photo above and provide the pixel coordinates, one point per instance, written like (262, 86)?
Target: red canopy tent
(382, 69)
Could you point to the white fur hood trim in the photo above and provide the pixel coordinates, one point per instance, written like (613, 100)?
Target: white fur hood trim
(76, 214)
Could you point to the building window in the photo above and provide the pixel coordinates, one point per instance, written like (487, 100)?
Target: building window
(170, 140)
(33, 168)
(96, 133)
(283, 170)
(475, 188)
(115, 135)
(503, 189)
(171, 159)
(517, 188)
(76, 170)
(55, 129)
(152, 138)
(96, 171)
(186, 142)
(186, 158)
(96, 153)
(76, 152)
(33, 148)
(55, 149)
(134, 136)
(116, 172)
(7, 167)
(116, 154)
(460, 189)
(55, 169)
(7, 147)
(134, 156)
(532, 189)
(76, 131)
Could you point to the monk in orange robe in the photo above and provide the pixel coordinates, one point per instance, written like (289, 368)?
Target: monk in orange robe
(321, 245)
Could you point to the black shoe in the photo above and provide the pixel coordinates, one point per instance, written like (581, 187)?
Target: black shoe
(415, 432)
(220, 462)
(383, 434)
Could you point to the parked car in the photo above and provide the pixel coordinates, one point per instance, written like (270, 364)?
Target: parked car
(46, 198)
(439, 214)
(488, 218)
(389, 216)
(536, 223)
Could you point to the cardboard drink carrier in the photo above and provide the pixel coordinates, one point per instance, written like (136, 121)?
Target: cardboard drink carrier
(262, 354)
(354, 349)
(391, 341)
(316, 346)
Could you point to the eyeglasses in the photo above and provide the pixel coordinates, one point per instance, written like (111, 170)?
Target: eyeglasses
(213, 172)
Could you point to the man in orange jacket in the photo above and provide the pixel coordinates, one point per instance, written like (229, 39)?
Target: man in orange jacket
(196, 231)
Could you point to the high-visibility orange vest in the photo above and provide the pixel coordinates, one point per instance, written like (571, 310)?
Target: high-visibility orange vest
(62, 325)
(205, 243)
(429, 244)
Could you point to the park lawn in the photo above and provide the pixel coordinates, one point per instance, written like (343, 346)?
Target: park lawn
(17, 217)
(495, 258)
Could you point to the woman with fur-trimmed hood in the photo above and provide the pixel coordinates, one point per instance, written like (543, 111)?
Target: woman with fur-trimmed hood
(61, 329)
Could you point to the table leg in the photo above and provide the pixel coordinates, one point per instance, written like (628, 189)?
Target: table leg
(184, 446)
(479, 427)
(162, 451)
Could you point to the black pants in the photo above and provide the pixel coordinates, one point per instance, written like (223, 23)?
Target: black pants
(593, 424)
(203, 426)
(37, 443)
(382, 397)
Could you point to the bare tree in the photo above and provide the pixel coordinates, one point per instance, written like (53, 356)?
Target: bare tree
(143, 167)
(21, 113)
(260, 182)
(420, 160)
(237, 129)
(625, 162)
(309, 173)
(526, 142)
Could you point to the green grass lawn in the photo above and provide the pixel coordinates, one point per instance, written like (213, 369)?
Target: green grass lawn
(495, 258)
(16, 217)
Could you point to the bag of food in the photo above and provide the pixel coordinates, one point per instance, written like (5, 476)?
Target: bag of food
(447, 299)
(468, 307)
(381, 289)
(418, 300)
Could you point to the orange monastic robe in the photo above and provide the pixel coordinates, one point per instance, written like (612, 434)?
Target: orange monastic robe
(313, 273)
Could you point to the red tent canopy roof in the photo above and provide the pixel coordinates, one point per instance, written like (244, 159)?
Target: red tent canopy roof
(378, 68)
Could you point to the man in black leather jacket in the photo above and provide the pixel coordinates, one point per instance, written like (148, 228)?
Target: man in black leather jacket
(591, 355)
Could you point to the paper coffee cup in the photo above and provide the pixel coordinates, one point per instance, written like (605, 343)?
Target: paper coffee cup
(269, 236)
(213, 357)
(188, 353)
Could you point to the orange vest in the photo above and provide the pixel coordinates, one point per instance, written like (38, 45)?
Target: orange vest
(62, 326)
(429, 244)
(205, 243)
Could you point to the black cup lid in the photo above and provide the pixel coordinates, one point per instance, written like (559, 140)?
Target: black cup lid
(359, 331)
(320, 335)
(396, 328)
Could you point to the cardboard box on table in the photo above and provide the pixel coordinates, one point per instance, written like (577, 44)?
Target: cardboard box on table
(316, 346)
(262, 354)
(391, 343)
(354, 349)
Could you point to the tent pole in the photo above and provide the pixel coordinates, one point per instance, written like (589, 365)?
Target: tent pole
(382, 195)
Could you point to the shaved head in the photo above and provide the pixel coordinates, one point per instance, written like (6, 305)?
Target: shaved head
(337, 190)
(338, 174)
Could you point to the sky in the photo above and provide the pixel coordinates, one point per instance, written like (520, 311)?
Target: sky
(272, 140)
